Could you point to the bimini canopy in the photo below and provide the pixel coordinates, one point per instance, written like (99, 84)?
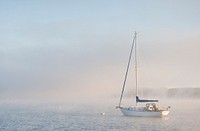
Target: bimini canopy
(138, 100)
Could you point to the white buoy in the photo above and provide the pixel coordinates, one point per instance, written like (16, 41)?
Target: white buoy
(103, 113)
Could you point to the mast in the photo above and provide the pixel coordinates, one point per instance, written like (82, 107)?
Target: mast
(127, 69)
(136, 70)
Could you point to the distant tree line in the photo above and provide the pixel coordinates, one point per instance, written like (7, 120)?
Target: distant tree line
(184, 92)
(189, 92)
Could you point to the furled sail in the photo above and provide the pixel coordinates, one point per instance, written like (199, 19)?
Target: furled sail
(139, 100)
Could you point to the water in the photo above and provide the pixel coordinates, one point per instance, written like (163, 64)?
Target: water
(184, 116)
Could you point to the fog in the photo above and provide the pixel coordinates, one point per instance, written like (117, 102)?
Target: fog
(95, 69)
(82, 56)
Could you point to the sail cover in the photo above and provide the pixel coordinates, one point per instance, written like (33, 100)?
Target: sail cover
(138, 100)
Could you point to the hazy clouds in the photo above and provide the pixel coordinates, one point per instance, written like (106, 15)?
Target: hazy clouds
(82, 51)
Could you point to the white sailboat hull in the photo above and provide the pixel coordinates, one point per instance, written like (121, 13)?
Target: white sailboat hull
(141, 113)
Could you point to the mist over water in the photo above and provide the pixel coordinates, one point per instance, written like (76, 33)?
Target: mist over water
(184, 115)
(62, 63)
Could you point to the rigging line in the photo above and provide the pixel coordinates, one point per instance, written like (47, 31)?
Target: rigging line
(136, 66)
(127, 69)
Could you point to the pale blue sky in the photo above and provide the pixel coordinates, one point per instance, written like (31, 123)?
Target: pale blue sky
(157, 13)
(49, 45)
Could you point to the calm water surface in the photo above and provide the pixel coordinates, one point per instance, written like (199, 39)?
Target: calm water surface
(184, 116)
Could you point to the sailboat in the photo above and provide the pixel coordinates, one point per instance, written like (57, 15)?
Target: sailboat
(142, 107)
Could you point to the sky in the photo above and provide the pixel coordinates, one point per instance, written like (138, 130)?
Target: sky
(73, 49)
